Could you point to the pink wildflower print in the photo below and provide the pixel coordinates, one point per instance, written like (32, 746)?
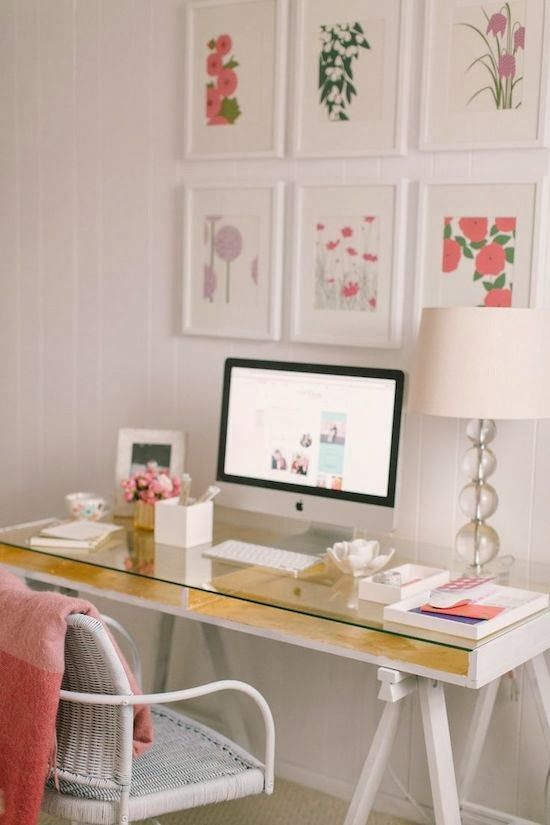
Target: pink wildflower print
(223, 44)
(320, 227)
(519, 38)
(369, 257)
(369, 218)
(347, 231)
(506, 65)
(351, 251)
(372, 303)
(209, 283)
(213, 100)
(254, 270)
(227, 82)
(330, 245)
(350, 289)
(229, 245)
(497, 24)
(214, 64)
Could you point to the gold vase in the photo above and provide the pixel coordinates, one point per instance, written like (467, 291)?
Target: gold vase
(144, 516)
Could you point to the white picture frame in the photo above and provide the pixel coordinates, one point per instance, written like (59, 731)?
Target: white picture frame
(234, 91)
(470, 99)
(135, 448)
(232, 260)
(348, 247)
(461, 226)
(357, 107)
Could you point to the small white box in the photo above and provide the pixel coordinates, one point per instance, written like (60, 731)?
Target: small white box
(183, 525)
(415, 578)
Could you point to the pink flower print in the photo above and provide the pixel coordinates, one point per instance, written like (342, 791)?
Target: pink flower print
(519, 38)
(217, 120)
(491, 259)
(351, 251)
(209, 283)
(447, 221)
(330, 245)
(320, 227)
(369, 218)
(228, 244)
(227, 82)
(347, 231)
(223, 44)
(369, 257)
(214, 64)
(506, 65)
(505, 224)
(497, 24)
(498, 298)
(475, 229)
(372, 303)
(350, 289)
(213, 100)
(254, 270)
(451, 255)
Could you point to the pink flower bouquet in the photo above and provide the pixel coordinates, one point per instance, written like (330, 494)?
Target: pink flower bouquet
(150, 486)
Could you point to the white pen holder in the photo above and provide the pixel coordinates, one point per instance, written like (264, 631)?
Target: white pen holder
(183, 525)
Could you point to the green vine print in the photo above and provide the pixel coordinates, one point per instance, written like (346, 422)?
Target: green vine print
(340, 46)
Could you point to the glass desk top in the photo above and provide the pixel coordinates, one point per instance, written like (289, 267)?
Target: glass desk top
(321, 591)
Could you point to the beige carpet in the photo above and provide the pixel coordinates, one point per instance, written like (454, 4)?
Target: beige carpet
(290, 805)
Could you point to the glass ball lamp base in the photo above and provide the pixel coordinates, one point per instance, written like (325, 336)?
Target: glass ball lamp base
(477, 544)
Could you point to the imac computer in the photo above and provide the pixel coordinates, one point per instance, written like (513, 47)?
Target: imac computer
(311, 441)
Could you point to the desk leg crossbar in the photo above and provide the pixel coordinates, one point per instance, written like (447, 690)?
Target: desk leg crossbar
(394, 687)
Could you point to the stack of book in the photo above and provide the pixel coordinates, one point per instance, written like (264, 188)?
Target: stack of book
(74, 535)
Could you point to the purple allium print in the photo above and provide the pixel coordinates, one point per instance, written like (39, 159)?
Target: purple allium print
(254, 270)
(228, 243)
(209, 283)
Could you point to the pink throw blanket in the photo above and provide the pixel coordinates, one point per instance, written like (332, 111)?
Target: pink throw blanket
(32, 639)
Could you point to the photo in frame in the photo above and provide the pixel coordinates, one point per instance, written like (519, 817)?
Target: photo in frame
(139, 449)
(480, 244)
(232, 261)
(234, 79)
(350, 65)
(485, 74)
(348, 264)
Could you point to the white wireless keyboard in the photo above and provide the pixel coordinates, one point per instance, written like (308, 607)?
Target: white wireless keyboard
(240, 552)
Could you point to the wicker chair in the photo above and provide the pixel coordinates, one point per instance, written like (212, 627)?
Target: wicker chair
(96, 780)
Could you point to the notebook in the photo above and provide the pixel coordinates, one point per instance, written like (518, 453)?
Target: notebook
(75, 535)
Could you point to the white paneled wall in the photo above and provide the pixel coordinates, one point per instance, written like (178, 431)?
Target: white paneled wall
(91, 177)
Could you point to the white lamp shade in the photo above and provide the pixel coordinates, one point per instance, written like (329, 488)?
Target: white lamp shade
(482, 362)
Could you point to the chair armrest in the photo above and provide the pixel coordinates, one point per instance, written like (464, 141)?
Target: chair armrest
(191, 693)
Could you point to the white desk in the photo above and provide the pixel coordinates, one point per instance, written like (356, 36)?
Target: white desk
(316, 612)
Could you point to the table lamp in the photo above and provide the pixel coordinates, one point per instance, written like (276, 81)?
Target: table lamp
(481, 363)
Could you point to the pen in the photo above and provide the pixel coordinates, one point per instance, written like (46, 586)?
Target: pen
(185, 488)
(210, 493)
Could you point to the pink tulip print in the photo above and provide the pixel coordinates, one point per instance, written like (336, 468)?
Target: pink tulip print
(346, 264)
(222, 107)
(341, 45)
(224, 245)
(500, 44)
(480, 252)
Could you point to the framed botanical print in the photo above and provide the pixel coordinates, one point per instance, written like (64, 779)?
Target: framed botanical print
(350, 69)
(348, 246)
(485, 74)
(480, 244)
(234, 79)
(232, 261)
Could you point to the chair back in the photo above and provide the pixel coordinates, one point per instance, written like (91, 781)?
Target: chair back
(94, 742)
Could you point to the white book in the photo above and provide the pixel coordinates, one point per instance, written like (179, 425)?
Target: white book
(78, 535)
(517, 604)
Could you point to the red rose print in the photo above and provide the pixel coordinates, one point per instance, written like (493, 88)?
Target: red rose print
(213, 100)
(505, 224)
(223, 44)
(214, 64)
(347, 231)
(451, 255)
(350, 289)
(227, 82)
(498, 298)
(475, 229)
(491, 259)
(332, 244)
(351, 251)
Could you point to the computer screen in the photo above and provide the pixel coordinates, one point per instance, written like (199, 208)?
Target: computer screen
(311, 440)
